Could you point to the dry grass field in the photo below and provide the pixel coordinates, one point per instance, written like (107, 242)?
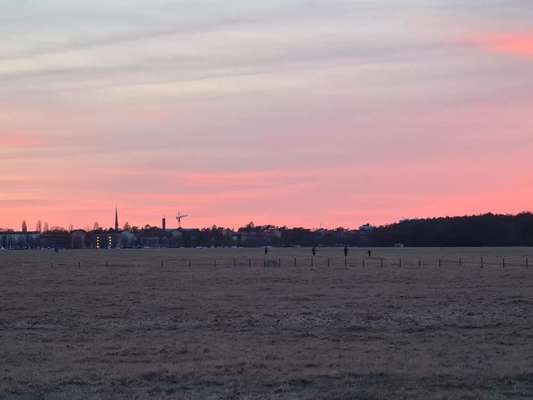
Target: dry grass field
(172, 324)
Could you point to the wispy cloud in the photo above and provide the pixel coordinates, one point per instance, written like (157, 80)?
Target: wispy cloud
(10, 141)
(515, 44)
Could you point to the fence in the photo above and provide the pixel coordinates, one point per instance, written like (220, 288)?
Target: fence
(296, 262)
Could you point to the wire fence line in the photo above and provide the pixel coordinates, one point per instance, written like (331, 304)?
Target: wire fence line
(292, 262)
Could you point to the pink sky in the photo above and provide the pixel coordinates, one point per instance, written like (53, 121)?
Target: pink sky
(289, 113)
(516, 44)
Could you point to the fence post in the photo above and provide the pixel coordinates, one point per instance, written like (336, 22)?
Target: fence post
(440, 262)
(482, 262)
(329, 263)
(215, 263)
(400, 262)
(190, 263)
(503, 262)
(279, 262)
(527, 262)
(295, 261)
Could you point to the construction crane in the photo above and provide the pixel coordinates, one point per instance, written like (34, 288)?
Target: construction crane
(179, 217)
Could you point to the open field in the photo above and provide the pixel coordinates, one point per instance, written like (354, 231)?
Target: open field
(124, 324)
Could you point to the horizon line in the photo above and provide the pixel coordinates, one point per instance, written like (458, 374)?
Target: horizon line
(148, 226)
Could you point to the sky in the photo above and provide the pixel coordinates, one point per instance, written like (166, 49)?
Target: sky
(289, 112)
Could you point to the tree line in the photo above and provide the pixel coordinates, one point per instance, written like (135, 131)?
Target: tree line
(479, 230)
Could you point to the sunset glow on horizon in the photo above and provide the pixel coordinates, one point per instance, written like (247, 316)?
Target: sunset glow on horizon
(287, 112)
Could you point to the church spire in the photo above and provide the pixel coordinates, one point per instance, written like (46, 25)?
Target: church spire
(116, 218)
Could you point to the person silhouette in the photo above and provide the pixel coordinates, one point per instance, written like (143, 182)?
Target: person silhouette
(266, 250)
(369, 253)
(314, 251)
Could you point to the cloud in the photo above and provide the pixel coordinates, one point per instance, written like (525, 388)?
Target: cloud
(12, 203)
(516, 44)
(16, 141)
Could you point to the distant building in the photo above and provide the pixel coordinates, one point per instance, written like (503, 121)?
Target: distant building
(127, 240)
(78, 239)
(56, 240)
(19, 240)
(366, 228)
(364, 233)
(105, 239)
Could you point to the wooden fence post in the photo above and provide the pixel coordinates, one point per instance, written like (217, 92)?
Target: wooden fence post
(503, 262)
(295, 261)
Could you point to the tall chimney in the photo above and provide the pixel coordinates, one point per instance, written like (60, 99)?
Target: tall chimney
(116, 219)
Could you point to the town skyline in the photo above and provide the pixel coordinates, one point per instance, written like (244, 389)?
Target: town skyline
(467, 231)
(42, 225)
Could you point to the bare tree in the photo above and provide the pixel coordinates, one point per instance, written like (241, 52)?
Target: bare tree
(45, 227)
(24, 226)
(96, 226)
(39, 226)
